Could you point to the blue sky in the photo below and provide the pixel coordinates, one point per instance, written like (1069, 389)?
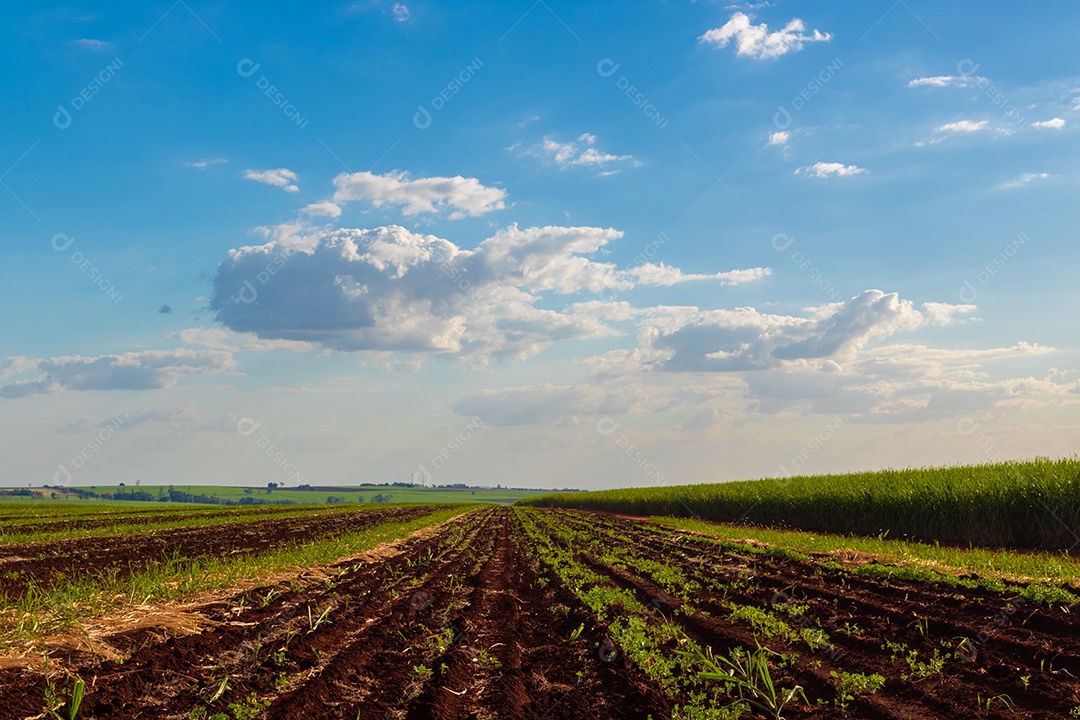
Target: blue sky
(538, 244)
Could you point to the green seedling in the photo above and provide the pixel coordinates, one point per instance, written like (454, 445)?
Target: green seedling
(70, 708)
(749, 673)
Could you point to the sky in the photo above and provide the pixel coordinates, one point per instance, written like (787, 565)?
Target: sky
(538, 244)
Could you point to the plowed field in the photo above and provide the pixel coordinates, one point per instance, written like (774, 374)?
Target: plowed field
(512, 613)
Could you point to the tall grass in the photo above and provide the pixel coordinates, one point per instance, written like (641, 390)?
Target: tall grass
(1033, 504)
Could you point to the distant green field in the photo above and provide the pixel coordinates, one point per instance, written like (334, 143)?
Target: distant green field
(353, 494)
(1033, 504)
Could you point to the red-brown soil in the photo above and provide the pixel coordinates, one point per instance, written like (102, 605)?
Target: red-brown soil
(23, 563)
(490, 628)
(1005, 637)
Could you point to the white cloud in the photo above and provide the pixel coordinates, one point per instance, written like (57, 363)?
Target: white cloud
(689, 339)
(1024, 180)
(222, 339)
(128, 371)
(92, 44)
(205, 163)
(757, 42)
(463, 197)
(827, 169)
(1052, 124)
(780, 138)
(665, 275)
(946, 81)
(16, 365)
(944, 313)
(580, 153)
(280, 177)
(326, 208)
(965, 126)
(389, 289)
(401, 12)
(829, 360)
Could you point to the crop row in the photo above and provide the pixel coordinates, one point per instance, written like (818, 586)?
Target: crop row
(1032, 504)
(68, 604)
(878, 641)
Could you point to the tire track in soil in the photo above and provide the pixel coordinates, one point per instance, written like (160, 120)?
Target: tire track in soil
(538, 679)
(874, 606)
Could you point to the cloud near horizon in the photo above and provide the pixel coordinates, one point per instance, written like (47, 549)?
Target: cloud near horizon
(127, 371)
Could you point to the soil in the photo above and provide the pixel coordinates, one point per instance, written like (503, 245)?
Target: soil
(44, 562)
(465, 621)
(993, 641)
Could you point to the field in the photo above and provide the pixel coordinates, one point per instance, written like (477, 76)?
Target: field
(1033, 504)
(315, 495)
(383, 611)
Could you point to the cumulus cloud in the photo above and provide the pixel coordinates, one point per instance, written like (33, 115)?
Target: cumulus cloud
(389, 289)
(580, 153)
(689, 339)
(1052, 124)
(780, 138)
(756, 41)
(461, 196)
(325, 208)
(964, 126)
(279, 177)
(16, 365)
(945, 313)
(400, 11)
(829, 169)
(127, 371)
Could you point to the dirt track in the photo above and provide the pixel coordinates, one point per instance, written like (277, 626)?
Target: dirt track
(493, 632)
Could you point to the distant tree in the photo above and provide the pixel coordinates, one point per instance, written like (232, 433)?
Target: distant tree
(247, 491)
(54, 496)
(123, 485)
(270, 487)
